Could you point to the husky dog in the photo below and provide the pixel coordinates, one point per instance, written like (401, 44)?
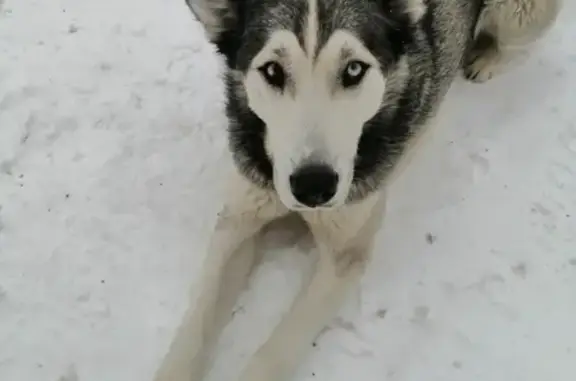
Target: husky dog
(324, 99)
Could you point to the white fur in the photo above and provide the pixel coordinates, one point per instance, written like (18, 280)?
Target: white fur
(416, 9)
(315, 118)
(246, 211)
(344, 239)
(318, 119)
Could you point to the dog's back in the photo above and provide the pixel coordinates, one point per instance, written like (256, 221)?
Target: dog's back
(447, 32)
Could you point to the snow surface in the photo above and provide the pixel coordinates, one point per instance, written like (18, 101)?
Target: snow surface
(111, 146)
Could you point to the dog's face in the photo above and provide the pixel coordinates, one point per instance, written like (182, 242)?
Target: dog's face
(306, 79)
(314, 98)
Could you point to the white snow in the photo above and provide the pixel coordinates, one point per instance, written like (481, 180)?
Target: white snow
(111, 145)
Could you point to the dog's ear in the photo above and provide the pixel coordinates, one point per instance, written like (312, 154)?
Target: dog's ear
(216, 16)
(222, 21)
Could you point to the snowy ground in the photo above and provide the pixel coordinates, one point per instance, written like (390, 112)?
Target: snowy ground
(111, 141)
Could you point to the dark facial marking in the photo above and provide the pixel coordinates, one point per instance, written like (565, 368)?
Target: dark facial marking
(247, 134)
(246, 34)
(385, 136)
(384, 30)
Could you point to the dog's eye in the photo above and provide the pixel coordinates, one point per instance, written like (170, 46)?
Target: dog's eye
(273, 74)
(353, 73)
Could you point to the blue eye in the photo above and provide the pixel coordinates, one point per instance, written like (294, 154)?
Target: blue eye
(353, 73)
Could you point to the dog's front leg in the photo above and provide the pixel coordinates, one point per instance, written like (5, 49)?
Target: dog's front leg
(247, 209)
(344, 240)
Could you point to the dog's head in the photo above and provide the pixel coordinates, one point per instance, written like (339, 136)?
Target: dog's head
(309, 83)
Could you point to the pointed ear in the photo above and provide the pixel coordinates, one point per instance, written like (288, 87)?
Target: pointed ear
(216, 16)
(221, 21)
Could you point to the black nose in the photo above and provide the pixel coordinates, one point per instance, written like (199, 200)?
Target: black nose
(314, 185)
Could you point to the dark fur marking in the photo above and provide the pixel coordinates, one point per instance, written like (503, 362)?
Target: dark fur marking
(385, 135)
(427, 23)
(247, 134)
(384, 138)
(229, 41)
(384, 29)
(242, 35)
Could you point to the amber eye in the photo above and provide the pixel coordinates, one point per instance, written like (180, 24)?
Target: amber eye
(274, 74)
(353, 73)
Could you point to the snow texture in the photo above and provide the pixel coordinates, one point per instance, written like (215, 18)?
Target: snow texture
(111, 149)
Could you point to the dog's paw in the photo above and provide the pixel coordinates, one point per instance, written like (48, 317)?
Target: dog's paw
(481, 69)
(483, 60)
